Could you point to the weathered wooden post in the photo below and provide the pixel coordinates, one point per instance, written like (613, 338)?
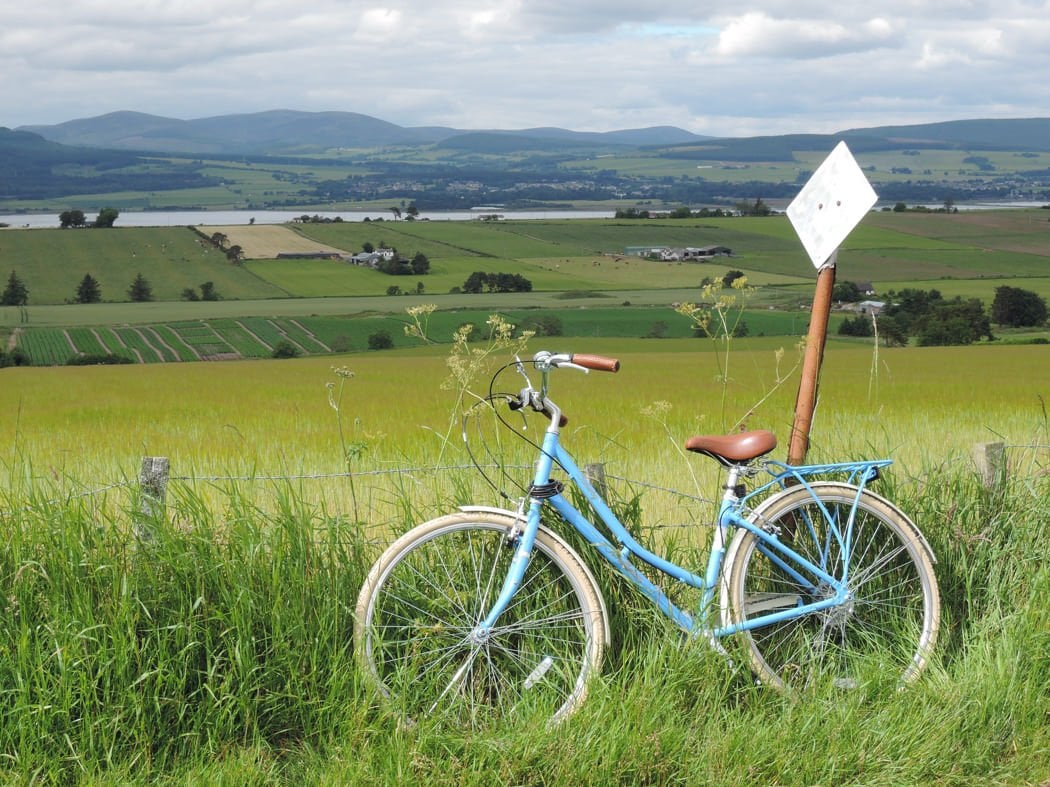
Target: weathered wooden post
(990, 460)
(595, 474)
(153, 489)
(827, 209)
(809, 382)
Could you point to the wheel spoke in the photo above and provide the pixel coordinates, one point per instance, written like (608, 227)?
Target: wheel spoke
(890, 611)
(418, 619)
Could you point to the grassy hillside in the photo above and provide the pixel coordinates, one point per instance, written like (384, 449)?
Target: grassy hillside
(53, 262)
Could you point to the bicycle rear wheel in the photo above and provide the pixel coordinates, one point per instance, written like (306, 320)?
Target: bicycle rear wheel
(888, 625)
(415, 634)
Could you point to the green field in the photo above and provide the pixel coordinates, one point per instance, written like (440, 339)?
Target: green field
(53, 262)
(219, 650)
(965, 254)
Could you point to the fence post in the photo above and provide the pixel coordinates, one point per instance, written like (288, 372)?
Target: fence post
(153, 488)
(990, 459)
(595, 475)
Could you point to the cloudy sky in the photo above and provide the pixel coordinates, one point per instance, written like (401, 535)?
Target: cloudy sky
(753, 67)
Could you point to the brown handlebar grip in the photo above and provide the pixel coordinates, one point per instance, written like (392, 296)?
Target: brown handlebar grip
(598, 363)
(563, 421)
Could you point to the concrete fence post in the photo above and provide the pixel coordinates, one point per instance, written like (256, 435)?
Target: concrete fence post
(153, 489)
(990, 461)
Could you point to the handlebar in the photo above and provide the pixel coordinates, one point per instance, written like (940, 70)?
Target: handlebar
(546, 360)
(598, 363)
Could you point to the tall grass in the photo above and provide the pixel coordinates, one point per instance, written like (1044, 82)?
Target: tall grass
(218, 650)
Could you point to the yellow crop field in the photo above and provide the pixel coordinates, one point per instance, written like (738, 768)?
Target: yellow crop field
(266, 241)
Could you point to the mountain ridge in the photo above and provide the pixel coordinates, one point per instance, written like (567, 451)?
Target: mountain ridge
(292, 132)
(283, 131)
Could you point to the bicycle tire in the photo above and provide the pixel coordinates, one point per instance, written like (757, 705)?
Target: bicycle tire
(424, 596)
(889, 624)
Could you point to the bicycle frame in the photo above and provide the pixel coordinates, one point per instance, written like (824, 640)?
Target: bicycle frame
(732, 513)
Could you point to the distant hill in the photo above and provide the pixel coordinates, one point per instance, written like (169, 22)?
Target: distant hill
(1004, 134)
(286, 132)
(131, 153)
(32, 167)
(1026, 134)
(277, 131)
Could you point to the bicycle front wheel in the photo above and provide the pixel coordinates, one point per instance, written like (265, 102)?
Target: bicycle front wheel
(415, 626)
(888, 624)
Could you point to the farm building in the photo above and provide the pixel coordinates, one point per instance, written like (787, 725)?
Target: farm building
(669, 254)
(371, 259)
(868, 307)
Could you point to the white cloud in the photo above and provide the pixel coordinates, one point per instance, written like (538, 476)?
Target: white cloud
(771, 67)
(759, 35)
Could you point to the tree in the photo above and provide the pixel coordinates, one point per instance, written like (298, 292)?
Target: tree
(860, 325)
(88, 291)
(846, 292)
(107, 217)
(284, 349)
(16, 357)
(396, 211)
(480, 281)
(420, 264)
(756, 208)
(190, 294)
(208, 292)
(729, 278)
(234, 253)
(140, 290)
(220, 239)
(956, 321)
(412, 211)
(1018, 308)
(380, 340)
(475, 282)
(15, 293)
(71, 218)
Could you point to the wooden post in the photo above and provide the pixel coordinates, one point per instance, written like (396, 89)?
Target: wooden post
(990, 459)
(153, 486)
(806, 401)
(595, 474)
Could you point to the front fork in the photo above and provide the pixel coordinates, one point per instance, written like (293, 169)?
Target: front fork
(525, 538)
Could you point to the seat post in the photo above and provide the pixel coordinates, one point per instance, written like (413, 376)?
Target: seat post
(734, 488)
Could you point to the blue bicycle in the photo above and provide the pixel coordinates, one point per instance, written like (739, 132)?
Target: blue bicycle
(487, 613)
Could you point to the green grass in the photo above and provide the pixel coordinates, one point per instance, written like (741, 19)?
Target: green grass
(219, 651)
(53, 262)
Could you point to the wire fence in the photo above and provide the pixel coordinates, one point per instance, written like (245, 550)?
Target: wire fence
(990, 462)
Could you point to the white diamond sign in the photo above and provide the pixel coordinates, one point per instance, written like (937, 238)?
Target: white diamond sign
(830, 205)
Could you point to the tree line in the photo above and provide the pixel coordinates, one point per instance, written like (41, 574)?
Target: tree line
(479, 281)
(16, 293)
(933, 320)
(75, 218)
